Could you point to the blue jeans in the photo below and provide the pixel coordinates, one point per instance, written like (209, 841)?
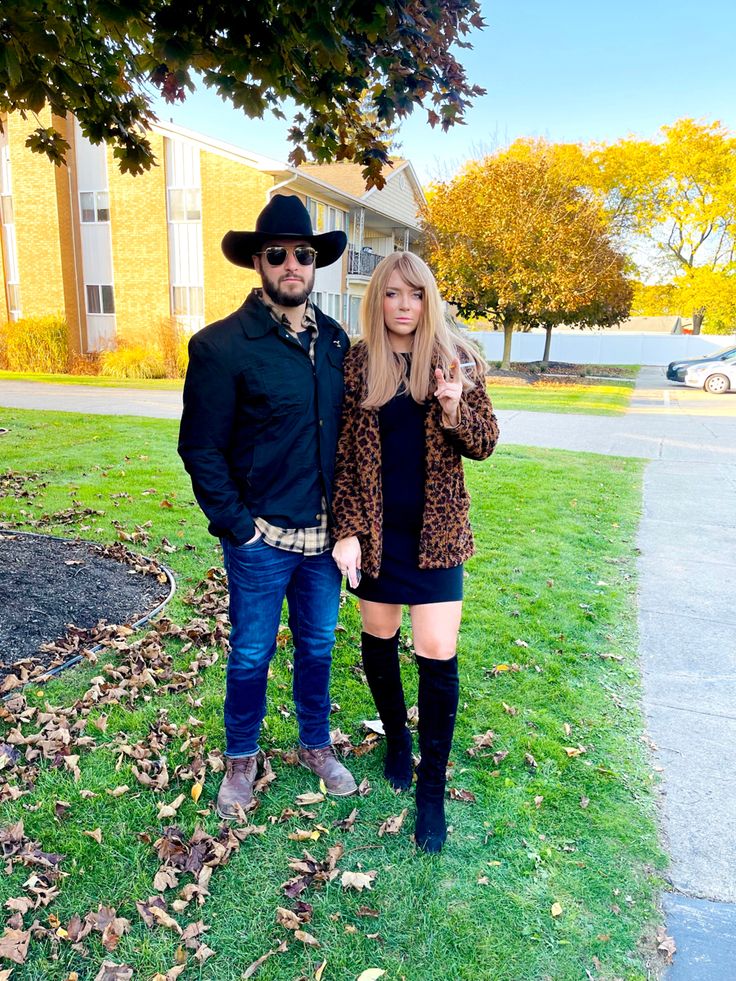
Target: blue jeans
(259, 576)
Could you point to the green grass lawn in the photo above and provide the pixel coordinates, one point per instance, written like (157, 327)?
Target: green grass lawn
(548, 663)
(596, 400)
(96, 381)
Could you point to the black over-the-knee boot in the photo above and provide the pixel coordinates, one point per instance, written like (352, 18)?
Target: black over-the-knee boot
(381, 666)
(438, 700)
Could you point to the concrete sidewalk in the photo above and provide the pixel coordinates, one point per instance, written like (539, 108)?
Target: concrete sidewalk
(687, 619)
(687, 624)
(687, 628)
(155, 403)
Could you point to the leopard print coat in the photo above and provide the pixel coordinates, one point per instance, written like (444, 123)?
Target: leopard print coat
(446, 538)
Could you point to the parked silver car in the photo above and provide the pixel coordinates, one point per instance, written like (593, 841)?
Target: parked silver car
(676, 369)
(714, 376)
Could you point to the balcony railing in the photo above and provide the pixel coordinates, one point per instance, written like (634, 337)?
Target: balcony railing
(362, 263)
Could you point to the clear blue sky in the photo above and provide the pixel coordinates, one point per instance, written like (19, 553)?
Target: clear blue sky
(571, 70)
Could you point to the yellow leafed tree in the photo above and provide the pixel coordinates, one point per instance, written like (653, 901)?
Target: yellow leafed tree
(514, 238)
(676, 196)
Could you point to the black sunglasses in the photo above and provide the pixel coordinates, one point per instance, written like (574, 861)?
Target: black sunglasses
(276, 255)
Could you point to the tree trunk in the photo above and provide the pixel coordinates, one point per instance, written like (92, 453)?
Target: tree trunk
(698, 316)
(547, 343)
(508, 333)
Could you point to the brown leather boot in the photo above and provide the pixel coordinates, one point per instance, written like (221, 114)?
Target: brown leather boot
(237, 785)
(337, 779)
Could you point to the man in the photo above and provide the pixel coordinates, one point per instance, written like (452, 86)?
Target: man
(262, 403)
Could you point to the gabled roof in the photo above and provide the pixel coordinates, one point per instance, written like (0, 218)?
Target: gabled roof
(665, 324)
(345, 175)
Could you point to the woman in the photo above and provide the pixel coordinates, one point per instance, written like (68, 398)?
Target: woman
(415, 403)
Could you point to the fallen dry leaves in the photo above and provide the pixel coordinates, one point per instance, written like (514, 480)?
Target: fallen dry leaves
(392, 825)
(311, 871)
(110, 971)
(358, 880)
(348, 823)
(131, 671)
(466, 796)
(666, 945)
(14, 945)
(111, 926)
(484, 741)
(250, 971)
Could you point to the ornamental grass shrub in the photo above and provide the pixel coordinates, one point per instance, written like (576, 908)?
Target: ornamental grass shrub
(173, 342)
(133, 361)
(85, 364)
(160, 352)
(39, 344)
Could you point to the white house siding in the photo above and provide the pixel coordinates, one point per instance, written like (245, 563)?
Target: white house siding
(329, 278)
(381, 244)
(400, 203)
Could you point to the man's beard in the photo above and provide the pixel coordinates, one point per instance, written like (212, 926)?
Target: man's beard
(283, 299)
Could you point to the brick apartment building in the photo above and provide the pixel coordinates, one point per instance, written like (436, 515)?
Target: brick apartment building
(117, 254)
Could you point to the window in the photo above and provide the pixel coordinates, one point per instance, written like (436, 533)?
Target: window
(187, 301)
(94, 206)
(334, 306)
(6, 204)
(103, 206)
(354, 314)
(329, 303)
(100, 299)
(13, 298)
(185, 204)
(326, 218)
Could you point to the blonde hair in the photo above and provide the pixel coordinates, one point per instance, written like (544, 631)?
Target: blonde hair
(437, 342)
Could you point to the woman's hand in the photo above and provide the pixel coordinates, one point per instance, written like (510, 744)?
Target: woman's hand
(346, 554)
(449, 392)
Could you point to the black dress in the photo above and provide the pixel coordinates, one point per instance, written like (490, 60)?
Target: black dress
(403, 455)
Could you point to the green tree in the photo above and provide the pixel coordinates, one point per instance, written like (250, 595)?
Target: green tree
(99, 60)
(514, 239)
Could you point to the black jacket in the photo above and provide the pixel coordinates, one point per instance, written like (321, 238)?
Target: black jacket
(252, 406)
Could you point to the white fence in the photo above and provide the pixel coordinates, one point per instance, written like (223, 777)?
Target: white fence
(602, 347)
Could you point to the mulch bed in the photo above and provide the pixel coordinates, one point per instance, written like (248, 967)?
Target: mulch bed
(48, 585)
(556, 373)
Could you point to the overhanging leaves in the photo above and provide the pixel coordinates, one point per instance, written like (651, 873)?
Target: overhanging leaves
(97, 60)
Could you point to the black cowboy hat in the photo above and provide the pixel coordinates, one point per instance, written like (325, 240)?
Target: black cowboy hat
(283, 217)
